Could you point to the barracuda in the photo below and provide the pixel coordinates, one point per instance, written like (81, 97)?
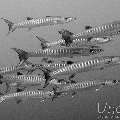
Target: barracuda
(107, 29)
(59, 52)
(98, 63)
(95, 63)
(16, 68)
(74, 87)
(71, 40)
(37, 22)
(21, 96)
(31, 67)
(21, 81)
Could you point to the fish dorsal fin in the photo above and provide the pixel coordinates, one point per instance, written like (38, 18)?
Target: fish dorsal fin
(88, 27)
(53, 16)
(29, 18)
(48, 16)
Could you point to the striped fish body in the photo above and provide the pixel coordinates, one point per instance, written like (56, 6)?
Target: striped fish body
(93, 41)
(8, 70)
(58, 43)
(66, 52)
(42, 22)
(101, 31)
(74, 68)
(93, 64)
(80, 42)
(78, 86)
(86, 84)
(28, 94)
(54, 66)
(24, 79)
(12, 69)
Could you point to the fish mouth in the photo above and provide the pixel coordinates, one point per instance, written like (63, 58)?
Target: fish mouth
(101, 40)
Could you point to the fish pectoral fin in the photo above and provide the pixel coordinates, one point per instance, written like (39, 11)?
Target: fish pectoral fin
(72, 76)
(56, 96)
(88, 27)
(18, 100)
(101, 68)
(99, 88)
(73, 94)
(29, 18)
(8, 87)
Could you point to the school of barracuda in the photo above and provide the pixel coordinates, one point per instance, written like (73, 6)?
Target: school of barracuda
(52, 85)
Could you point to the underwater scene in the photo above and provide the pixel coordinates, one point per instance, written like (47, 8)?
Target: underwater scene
(59, 60)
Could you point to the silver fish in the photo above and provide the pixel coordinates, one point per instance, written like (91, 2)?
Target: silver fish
(93, 64)
(71, 39)
(15, 68)
(74, 87)
(59, 52)
(21, 81)
(20, 96)
(108, 29)
(38, 22)
(51, 66)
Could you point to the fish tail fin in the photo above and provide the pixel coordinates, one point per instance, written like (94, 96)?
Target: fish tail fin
(10, 25)
(65, 32)
(2, 98)
(23, 55)
(42, 40)
(27, 62)
(67, 36)
(1, 94)
(56, 94)
(46, 75)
